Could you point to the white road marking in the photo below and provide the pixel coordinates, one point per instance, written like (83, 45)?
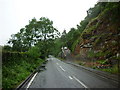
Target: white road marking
(70, 77)
(57, 63)
(80, 82)
(62, 69)
(31, 81)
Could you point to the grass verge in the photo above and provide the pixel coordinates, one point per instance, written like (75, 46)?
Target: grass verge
(15, 73)
(113, 70)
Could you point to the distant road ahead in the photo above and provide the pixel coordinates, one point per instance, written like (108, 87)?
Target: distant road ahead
(61, 75)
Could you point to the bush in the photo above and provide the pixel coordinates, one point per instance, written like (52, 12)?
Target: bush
(113, 70)
(16, 67)
(34, 52)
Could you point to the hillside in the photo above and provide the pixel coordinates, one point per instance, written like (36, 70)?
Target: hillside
(99, 42)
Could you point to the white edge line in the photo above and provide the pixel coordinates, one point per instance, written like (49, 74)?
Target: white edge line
(62, 69)
(70, 77)
(31, 80)
(80, 82)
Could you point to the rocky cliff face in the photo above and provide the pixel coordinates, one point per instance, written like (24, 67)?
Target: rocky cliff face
(100, 39)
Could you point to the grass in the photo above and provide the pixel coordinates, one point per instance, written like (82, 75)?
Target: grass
(62, 59)
(14, 74)
(90, 29)
(101, 61)
(112, 70)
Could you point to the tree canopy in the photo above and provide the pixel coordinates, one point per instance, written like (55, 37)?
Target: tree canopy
(37, 33)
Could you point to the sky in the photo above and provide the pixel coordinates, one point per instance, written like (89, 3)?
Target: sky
(65, 14)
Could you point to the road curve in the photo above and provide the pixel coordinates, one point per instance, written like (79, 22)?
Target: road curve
(62, 75)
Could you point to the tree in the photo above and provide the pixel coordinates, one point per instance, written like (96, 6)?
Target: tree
(40, 33)
(63, 37)
(7, 48)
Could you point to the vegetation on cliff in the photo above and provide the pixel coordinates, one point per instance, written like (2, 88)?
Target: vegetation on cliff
(96, 39)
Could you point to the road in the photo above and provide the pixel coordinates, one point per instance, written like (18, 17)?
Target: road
(62, 75)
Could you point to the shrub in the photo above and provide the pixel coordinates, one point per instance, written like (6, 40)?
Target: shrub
(16, 67)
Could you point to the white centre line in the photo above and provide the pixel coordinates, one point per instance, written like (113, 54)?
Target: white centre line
(70, 77)
(80, 82)
(31, 81)
(62, 69)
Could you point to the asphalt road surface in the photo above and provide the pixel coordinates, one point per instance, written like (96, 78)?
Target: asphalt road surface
(62, 75)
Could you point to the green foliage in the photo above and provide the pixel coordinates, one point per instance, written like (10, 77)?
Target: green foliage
(91, 53)
(57, 47)
(33, 42)
(96, 10)
(72, 38)
(33, 33)
(34, 52)
(98, 54)
(74, 44)
(82, 63)
(102, 62)
(113, 70)
(111, 7)
(7, 48)
(69, 39)
(18, 65)
(39, 39)
(91, 14)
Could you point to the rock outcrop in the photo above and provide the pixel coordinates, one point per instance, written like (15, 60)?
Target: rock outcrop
(100, 39)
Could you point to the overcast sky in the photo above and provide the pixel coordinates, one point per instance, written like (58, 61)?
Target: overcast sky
(65, 14)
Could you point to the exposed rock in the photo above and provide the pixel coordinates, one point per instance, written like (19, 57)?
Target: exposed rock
(100, 35)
